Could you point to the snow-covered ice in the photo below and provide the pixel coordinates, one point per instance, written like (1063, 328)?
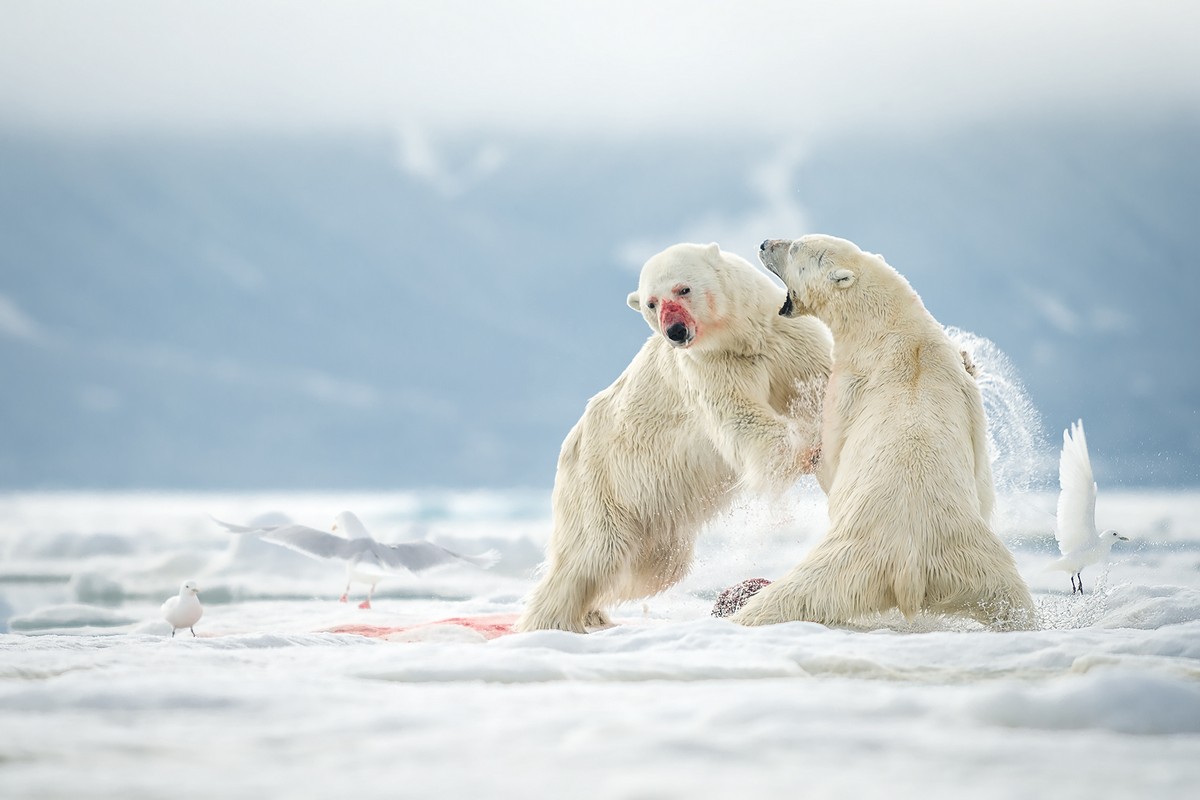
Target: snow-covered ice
(97, 701)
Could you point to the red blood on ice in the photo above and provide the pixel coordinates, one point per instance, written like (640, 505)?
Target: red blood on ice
(733, 598)
(489, 626)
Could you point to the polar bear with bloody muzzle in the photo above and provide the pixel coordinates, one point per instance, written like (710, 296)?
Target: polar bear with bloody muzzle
(723, 396)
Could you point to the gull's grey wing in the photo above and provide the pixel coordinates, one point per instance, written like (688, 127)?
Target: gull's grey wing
(312, 542)
(406, 557)
(1076, 527)
(413, 556)
(301, 538)
(229, 526)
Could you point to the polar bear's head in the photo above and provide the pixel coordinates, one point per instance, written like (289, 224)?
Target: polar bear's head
(823, 273)
(688, 290)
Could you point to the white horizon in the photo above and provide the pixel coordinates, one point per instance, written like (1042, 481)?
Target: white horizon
(617, 69)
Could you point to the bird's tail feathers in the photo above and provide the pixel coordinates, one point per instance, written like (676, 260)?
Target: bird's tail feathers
(1058, 564)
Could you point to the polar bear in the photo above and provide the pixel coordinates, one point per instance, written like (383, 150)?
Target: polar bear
(904, 458)
(714, 401)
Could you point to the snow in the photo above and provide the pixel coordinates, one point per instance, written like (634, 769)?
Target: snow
(96, 701)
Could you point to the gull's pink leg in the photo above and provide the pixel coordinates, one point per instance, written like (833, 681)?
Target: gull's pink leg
(367, 603)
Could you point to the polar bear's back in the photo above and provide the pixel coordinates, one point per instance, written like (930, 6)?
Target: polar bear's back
(909, 479)
(913, 421)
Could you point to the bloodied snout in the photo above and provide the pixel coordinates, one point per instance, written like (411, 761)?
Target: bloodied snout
(677, 324)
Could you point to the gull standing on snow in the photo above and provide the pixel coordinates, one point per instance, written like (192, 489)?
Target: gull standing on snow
(183, 610)
(1076, 524)
(367, 561)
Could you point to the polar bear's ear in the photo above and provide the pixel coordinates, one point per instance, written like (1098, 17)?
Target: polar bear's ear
(714, 250)
(634, 301)
(842, 278)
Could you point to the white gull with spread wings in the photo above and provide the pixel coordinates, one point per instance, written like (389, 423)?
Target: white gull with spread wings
(367, 560)
(1078, 540)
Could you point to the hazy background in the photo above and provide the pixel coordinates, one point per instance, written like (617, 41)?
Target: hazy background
(387, 245)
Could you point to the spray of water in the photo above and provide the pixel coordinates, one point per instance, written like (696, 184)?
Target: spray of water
(1024, 463)
(1016, 438)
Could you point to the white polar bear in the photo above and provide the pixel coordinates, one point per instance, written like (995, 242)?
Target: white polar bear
(904, 457)
(714, 401)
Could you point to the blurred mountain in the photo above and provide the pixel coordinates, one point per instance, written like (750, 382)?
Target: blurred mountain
(396, 311)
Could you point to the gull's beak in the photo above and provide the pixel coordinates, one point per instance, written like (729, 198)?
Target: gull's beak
(1123, 538)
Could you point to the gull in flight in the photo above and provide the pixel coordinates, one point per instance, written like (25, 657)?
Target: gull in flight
(367, 561)
(183, 610)
(1076, 528)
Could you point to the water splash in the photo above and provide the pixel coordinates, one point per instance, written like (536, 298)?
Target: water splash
(1061, 611)
(1020, 455)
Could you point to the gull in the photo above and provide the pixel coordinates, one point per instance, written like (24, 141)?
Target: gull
(1076, 529)
(367, 561)
(183, 610)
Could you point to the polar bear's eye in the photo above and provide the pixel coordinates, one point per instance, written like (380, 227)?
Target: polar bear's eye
(651, 305)
(684, 291)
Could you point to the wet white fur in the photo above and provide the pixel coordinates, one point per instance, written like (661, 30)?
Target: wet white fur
(904, 459)
(671, 441)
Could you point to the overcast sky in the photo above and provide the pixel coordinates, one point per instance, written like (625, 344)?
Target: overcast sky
(613, 68)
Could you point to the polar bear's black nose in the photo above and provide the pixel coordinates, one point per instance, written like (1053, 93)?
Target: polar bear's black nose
(677, 332)
(763, 246)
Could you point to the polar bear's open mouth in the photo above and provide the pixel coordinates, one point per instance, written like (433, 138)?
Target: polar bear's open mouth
(788, 307)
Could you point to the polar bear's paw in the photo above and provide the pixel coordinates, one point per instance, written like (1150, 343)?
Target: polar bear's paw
(1013, 611)
(969, 364)
(597, 619)
(535, 620)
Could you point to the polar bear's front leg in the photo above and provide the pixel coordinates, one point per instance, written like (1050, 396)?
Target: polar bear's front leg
(565, 601)
(798, 596)
(832, 586)
(583, 573)
(761, 445)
